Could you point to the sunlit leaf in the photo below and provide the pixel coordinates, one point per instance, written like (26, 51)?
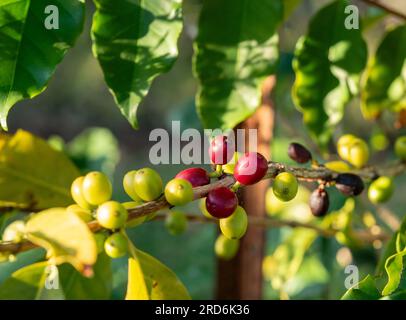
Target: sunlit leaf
(394, 267)
(364, 290)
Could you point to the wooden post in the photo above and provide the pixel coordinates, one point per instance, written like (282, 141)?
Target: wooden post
(241, 278)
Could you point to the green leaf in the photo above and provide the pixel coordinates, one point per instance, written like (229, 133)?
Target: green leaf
(149, 279)
(327, 64)
(401, 295)
(236, 48)
(385, 84)
(394, 267)
(27, 283)
(77, 287)
(65, 236)
(32, 174)
(364, 290)
(29, 52)
(135, 41)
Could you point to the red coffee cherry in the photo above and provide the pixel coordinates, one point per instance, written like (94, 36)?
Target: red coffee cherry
(221, 150)
(250, 168)
(196, 176)
(349, 184)
(299, 153)
(319, 202)
(221, 202)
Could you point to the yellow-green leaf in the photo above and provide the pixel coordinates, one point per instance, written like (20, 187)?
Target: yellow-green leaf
(65, 236)
(149, 279)
(32, 174)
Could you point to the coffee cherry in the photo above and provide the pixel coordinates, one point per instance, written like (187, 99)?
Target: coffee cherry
(96, 188)
(381, 190)
(128, 184)
(225, 248)
(76, 191)
(349, 184)
(14, 232)
(176, 222)
(229, 167)
(221, 202)
(285, 186)
(112, 215)
(137, 221)
(221, 150)
(196, 176)
(100, 238)
(358, 153)
(116, 245)
(343, 145)
(338, 166)
(299, 153)
(203, 209)
(148, 184)
(84, 214)
(319, 202)
(235, 226)
(250, 168)
(179, 192)
(400, 148)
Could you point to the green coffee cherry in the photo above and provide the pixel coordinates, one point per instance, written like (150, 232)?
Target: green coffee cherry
(148, 184)
(112, 215)
(225, 248)
(134, 222)
(354, 150)
(337, 166)
(77, 193)
(235, 226)
(343, 145)
(229, 167)
(285, 186)
(84, 214)
(14, 232)
(179, 192)
(96, 188)
(176, 222)
(116, 245)
(400, 148)
(128, 184)
(381, 190)
(100, 237)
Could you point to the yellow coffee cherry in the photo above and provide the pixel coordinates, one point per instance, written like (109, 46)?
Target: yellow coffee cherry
(77, 193)
(84, 214)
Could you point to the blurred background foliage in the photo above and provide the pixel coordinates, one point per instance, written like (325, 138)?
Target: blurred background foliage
(78, 115)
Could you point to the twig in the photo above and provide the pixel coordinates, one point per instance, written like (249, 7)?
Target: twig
(385, 8)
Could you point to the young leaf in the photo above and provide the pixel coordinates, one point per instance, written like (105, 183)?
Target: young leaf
(394, 267)
(32, 44)
(32, 174)
(236, 48)
(327, 63)
(364, 290)
(385, 85)
(135, 41)
(149, 279)
(65, 236)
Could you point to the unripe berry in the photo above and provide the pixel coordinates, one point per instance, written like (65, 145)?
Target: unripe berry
(250, 168)
(148, 184)
(128, 184)
(137, 221)
(338, 166)
(179, 192)
(112, 215)
(299, 153)
(229, 167)
(14, 232)
(319, 202)
(235, 226)
(100, 238)
(221, 202)
(358, 153)
(176, 222)
(285, 186)
(343, 145)
(400, 148)
(97, 188)
(221, 150)
(116, 245)
(76, 191)
(349, 184)
(84, 214)
(381, 190)
(226, 248)
(196, 176)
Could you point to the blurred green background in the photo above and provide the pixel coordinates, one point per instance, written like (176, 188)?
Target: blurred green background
(77, 98)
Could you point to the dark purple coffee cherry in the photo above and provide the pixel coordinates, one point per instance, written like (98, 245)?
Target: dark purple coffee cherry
(319, 202)
(299, 153)
(349, 184)
(221, 202)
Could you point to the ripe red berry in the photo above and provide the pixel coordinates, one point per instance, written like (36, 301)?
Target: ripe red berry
(250, 168)
(299, 153)
(196, 176)
(319, 202)
(221, 202)
(221, 150)
(349, 184)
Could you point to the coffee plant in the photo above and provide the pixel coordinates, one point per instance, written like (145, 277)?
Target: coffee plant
(47, 202)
